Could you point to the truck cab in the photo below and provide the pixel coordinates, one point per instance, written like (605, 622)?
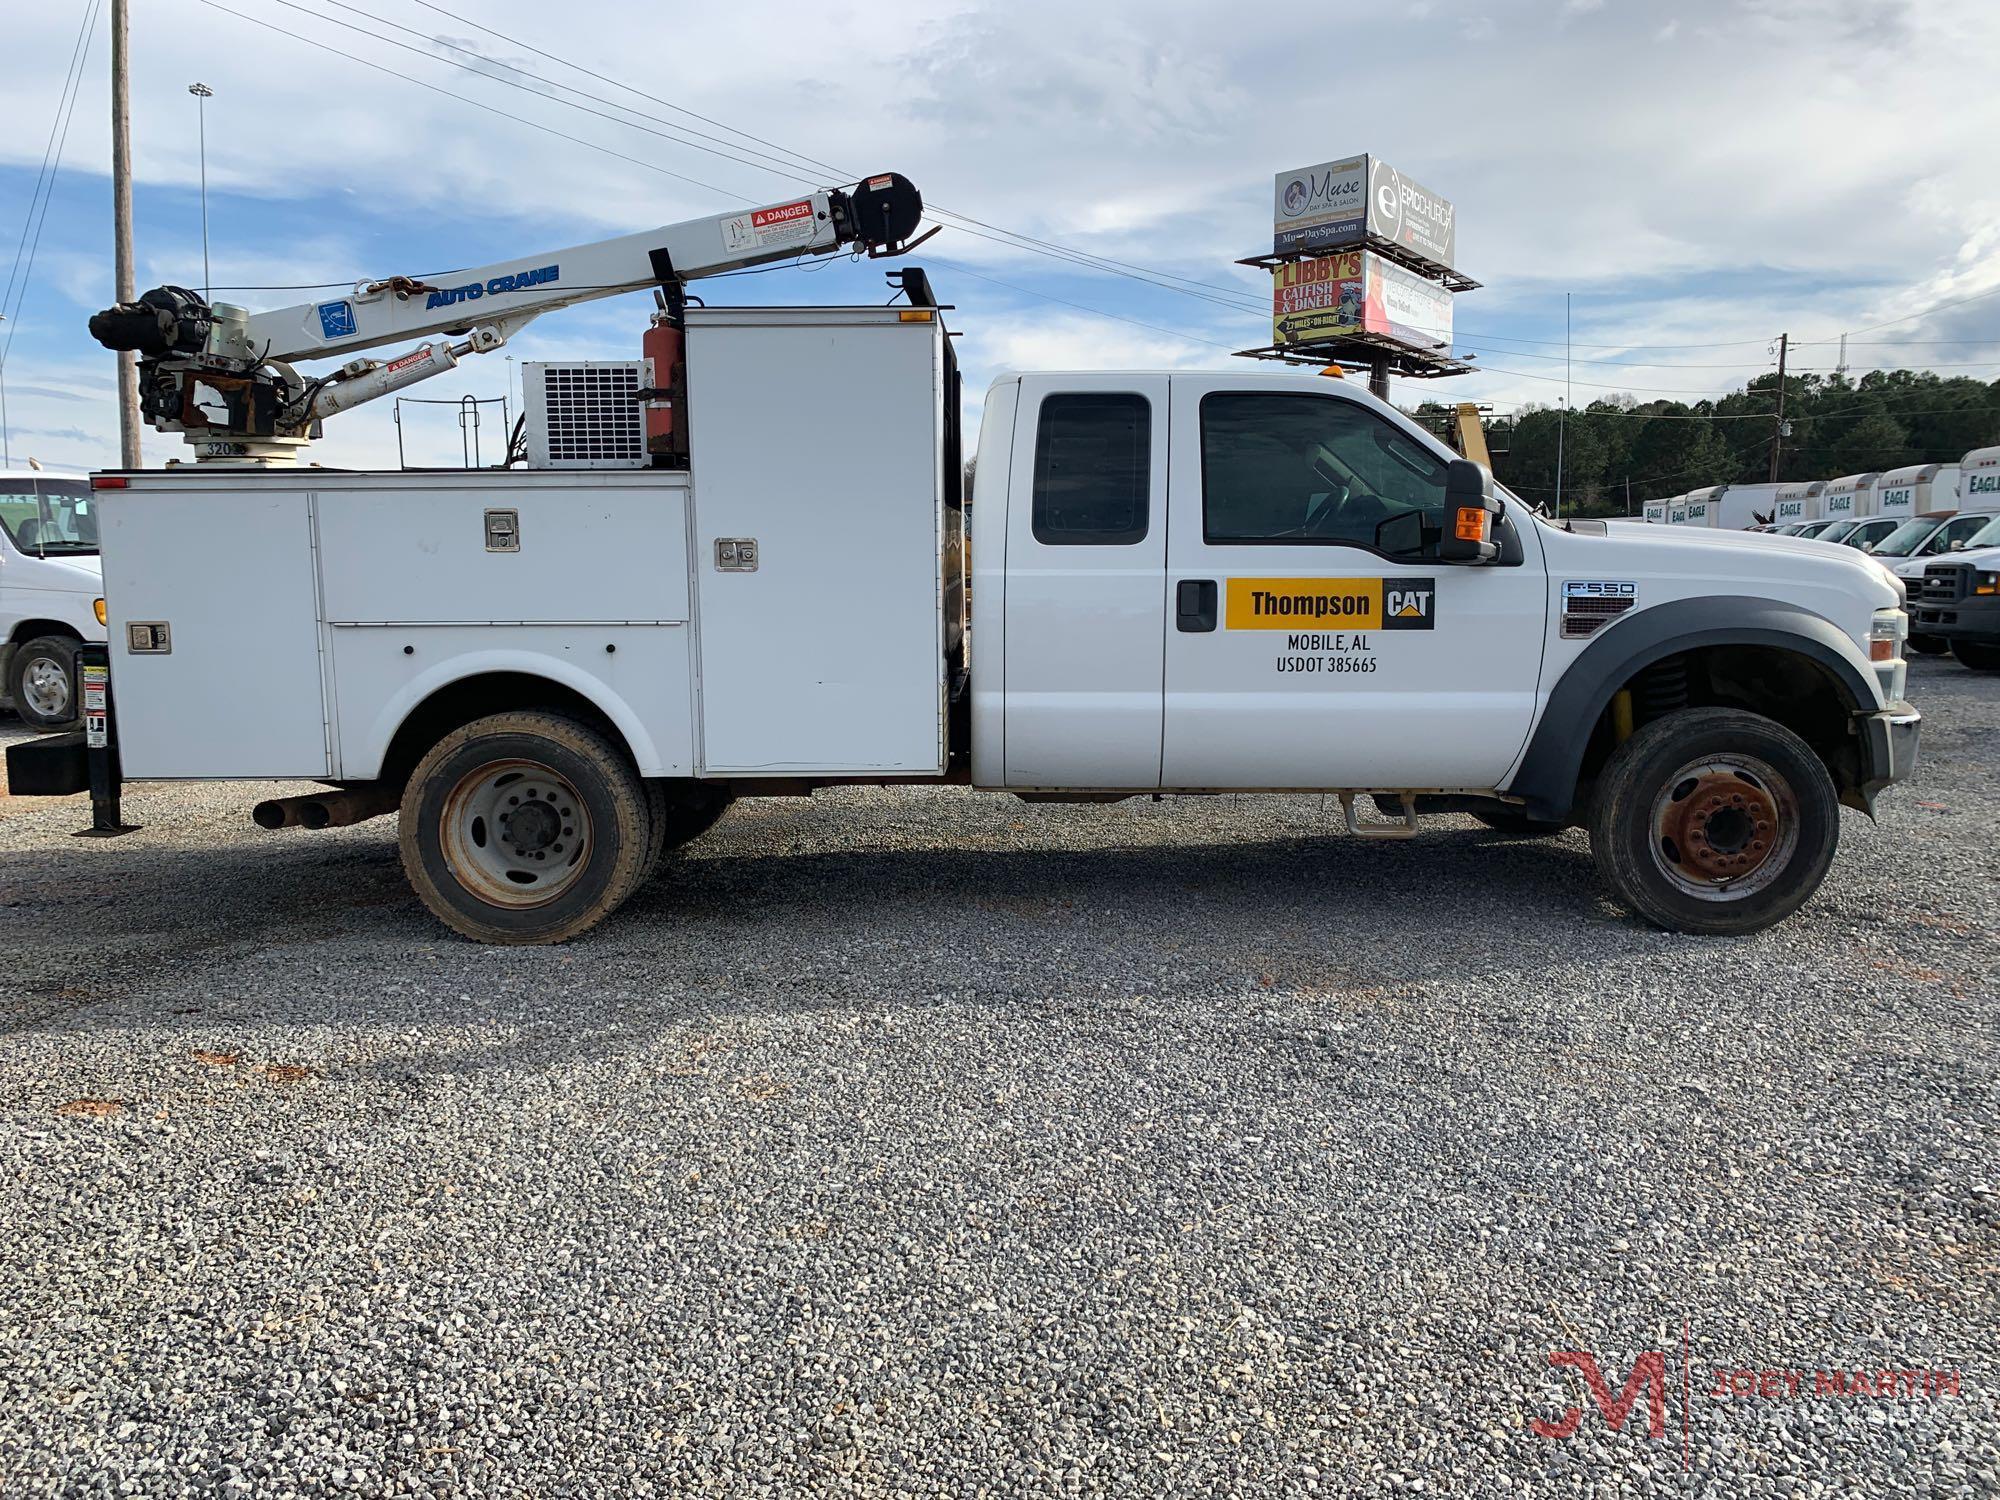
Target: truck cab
(51, 591)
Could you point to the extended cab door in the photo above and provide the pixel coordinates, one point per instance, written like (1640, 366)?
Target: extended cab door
(1313, 640)
(1086, 550)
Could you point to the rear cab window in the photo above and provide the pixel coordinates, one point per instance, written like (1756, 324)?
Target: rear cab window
(1093, 469)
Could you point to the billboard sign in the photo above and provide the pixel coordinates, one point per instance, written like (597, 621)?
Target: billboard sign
(1319, 208)
(1347, 202)
(1357, 292)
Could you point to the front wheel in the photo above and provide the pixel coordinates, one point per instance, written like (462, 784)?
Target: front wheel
(1928, 645)
(43, 681)
(1981, 656)
(1714, 820)
(525, 827)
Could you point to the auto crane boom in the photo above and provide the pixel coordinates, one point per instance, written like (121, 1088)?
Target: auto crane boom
(224, 376)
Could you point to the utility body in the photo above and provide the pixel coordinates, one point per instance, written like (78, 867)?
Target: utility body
(1185, 583)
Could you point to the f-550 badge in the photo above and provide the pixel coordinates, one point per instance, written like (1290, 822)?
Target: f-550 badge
(1590, 604)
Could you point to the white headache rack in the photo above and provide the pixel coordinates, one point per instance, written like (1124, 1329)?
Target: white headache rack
(586, 414)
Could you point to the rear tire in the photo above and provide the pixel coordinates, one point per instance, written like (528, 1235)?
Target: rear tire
(1713, 820)
(682, 812)
(42, 681)
(1977, 655)
(525, 827)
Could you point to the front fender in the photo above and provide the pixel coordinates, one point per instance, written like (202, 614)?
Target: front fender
(1548, 772)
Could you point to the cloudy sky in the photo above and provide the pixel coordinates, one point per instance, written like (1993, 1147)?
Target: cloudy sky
(1698, 177)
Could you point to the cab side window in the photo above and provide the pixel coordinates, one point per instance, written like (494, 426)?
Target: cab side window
(1295, 468)
(1093, 469)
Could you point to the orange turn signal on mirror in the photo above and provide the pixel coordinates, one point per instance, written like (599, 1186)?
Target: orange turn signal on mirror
(1471, 524)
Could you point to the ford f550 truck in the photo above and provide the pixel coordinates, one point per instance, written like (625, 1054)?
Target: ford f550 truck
(1186, 583)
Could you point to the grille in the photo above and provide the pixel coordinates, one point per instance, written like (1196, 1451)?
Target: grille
(586, 415)
(1582, 618)
(1941, 583)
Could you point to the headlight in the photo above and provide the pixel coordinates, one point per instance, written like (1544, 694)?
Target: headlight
(1986, 583)
(98, 605)
(1886, 633)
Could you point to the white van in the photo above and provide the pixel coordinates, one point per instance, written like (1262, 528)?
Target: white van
(51, 590)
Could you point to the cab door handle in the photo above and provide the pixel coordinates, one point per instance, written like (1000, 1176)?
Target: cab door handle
(1194, 604)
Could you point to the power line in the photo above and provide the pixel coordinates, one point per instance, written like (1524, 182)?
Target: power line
(25, 252)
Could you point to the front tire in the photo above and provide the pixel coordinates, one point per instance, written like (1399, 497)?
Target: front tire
(1714, 820)
(1928, 645)
(525, 827)
(42, 681)
(1978, 655)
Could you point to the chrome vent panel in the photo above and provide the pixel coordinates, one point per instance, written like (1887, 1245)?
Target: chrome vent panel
(1589, 605)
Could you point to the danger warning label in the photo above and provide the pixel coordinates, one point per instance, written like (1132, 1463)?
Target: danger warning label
(765, 228)
(1341, 603)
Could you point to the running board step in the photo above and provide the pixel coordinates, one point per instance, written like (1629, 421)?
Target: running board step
(1407, 829)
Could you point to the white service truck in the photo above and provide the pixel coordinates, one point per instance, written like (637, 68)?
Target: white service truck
(51, 591)
(1182, 583)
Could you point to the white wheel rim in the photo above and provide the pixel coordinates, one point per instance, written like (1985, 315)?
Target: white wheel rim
(1724, 827)
(45, 687)
(515, 834)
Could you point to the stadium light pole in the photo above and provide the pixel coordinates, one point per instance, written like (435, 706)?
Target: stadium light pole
(202, 94)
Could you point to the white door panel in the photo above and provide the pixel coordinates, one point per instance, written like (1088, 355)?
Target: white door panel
(1329, 665)
(1084, 618)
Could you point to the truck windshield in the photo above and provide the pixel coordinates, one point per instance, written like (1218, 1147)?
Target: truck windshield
(1986, 536)
(1905, 539)
(48, 517)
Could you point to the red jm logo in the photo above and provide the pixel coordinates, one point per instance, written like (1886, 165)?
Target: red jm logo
(1648, 1374)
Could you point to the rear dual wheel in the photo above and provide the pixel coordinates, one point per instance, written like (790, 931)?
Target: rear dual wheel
(525, 827)
(1714, 820)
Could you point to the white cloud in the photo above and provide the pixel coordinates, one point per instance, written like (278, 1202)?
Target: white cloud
(1756, 175)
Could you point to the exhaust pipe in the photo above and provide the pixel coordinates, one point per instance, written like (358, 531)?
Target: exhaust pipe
(355, 805)
(279, 812)
(337, 809)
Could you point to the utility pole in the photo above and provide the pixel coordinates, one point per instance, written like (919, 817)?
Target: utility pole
(1778, 424)
(1378, 376)
(121, 224)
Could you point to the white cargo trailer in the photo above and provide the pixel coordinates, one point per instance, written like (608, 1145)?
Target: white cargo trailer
(1733, 507)
(1850, 498)
(1695, 506)
(1798, 501)
(1979, 480)
(1657, 512)
(1917, 490)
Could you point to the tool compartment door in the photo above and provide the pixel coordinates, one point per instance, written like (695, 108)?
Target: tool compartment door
(227, 566)
(816, 446)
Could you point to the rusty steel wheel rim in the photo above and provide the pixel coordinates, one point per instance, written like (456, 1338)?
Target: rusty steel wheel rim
(515, 834)
(1724, 827)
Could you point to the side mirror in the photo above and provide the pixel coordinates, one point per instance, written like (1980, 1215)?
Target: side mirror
(1469, 512)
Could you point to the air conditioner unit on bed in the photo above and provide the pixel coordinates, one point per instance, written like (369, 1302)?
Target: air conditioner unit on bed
(586, 414)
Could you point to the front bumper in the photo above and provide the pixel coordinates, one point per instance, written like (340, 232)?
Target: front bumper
(1972, 619)
(1888, 748)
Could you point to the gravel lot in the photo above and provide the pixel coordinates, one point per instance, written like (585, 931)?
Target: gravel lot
(927, 1144)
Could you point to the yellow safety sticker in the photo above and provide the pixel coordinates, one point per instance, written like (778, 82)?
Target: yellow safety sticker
(1341, 603)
